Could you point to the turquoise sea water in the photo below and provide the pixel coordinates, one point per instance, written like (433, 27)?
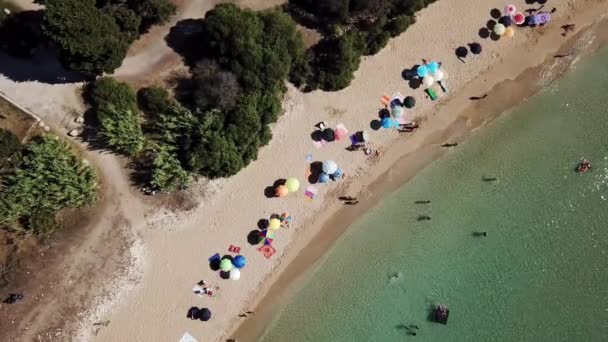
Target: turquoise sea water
(541, 274)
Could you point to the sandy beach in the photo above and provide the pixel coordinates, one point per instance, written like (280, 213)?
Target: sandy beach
(173, 247)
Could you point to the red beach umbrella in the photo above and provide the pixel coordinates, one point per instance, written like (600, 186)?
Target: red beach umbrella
(519, 18)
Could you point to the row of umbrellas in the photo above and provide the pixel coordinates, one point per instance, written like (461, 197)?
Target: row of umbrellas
(430, 73)
(233, 266)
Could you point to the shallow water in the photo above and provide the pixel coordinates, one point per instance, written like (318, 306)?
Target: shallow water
(541, 274)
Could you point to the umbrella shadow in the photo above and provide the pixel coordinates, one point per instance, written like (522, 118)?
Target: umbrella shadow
(375, 124)
(461, 52)
(316, 168)
(224, 275)
(494, 36)
(214, 265)
(484, 33)
(316, 135)
(270, 191)
(263, 224)
(415, 83)
(491, 24)
(193, 312)
(383, 113)
(253, 238)
(495, 13)
(408, 74)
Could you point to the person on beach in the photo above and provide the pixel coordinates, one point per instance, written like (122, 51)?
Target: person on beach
(564, 55)
(489, 179)
(567, 28)
(351, 202)
(423, 202)
(424, 218)
(476, 98)
(449, 145)
(348, 198)
(13, 298)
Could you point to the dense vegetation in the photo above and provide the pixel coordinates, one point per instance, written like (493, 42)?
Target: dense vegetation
(94, 36)
(238, 81)
(46, 177)
(351, 28)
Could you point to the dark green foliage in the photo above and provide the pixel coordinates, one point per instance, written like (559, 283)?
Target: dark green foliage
(153, 12)
(154, 100)
(89, 38)
(115, 106)
(49, 178)
(399, 24)
(42, 222)
(9, 144)
(338, 60)
(215, 88)
(128, 21)
(215, 156)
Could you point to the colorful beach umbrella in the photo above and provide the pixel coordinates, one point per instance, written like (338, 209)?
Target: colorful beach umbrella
(266, 237)
(438, 75)
(323, 178)
(235, 274)
(274, 223)
(499, 29)
(329, 167)
(510, 9)
(292, 184)
(397, 112)
(519, 18)
(509, 32)
(286, 220)
(386, 123)
(433, 67)
(239, 261)
(338, 174)
(422, 71)
(281, 191)
(409, 102)
(225, 265)
(428, 81)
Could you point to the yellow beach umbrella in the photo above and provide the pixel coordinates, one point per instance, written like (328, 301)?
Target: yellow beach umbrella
(292, 184)
(509, 32)
(274, 223)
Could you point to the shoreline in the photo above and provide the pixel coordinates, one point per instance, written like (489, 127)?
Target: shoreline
(396, 169)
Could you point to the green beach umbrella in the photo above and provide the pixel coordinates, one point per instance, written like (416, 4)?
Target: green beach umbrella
(292, 184)
(225, 265)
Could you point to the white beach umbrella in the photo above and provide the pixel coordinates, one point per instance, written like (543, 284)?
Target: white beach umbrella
(438, 75)
(499, 29)
(235, 274)
(428, 81)
(329, 167)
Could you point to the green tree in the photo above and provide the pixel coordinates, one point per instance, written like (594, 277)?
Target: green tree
(168, 174)
(154, 100)
(153, 12)
(121, 130)
(49, 178)
(128, 21)
(90, 39)
(107, 92)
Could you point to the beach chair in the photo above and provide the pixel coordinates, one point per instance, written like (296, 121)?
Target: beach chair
(432, 94)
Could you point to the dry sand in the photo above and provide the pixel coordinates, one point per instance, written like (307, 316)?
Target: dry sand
(177, 247)
(156, 310)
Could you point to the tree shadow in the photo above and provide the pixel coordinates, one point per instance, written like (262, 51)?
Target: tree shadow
(316, 168)
(185, 38)
(270, 191)
(495, 13)
(484, 32)
(375, 124)
(27, 55)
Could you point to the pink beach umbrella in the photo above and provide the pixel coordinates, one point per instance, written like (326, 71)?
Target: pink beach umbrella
(519, 18)
(510, 10)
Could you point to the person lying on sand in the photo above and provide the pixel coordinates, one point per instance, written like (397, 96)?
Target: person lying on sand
(449, 144)
(564, 55)
(475, 98)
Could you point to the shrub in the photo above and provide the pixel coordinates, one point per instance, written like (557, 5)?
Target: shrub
(106, 92)
(152, 12)
(168, 174)
(90, 39)
(49, 178)
(9, 144)
(42, 222)
(215, 88)
(121, 130)
(154, 100)
(399, 24)
(128, 21)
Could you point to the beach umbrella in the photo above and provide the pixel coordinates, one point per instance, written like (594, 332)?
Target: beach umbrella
(433, 67)
(225, 265)
(329, 167)
(422, 71)
(409, 102)
(397, 112)
(364, 136)
(428, 81)
(519, 18)
(510, 9)
(438, 75)
(239, 261)
(292, 184)
(475, 48)
(286, 220)
(509, 32)
(386, 123)
(204, 314)
(235, 274)
(329, 135)
(281, 191)
(499, 29)
(341, 132)
(274, 223)
(266, 237)
(505, 21)
(323, 178)
(338, 174)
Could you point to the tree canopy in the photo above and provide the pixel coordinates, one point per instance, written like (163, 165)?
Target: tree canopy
(49, 178)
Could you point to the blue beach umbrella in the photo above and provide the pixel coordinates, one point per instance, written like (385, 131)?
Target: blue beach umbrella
(338, 174)
(387, 123)
(239, 261)
(323, 178)
(433, 67)
(422, 71)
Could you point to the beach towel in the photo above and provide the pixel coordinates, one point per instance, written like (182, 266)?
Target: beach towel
(385, 100)
(341, 132)
(311, 192)
(188, 338)
(267, 250)
(234, 249)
